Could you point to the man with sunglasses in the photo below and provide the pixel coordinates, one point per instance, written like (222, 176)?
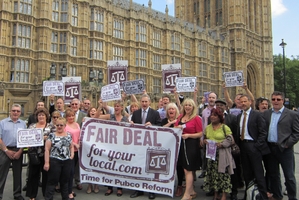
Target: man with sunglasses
(86, 106)
(9, 153)
(283, 134)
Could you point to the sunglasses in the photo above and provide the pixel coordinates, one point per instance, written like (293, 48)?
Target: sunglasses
(55, 117)
(74, 104)
(87, 103)
(15, 111)
(59, 125)
(276, 99)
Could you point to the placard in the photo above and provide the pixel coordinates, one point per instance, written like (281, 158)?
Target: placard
(129, 156)
(185, 84)
(53, 87)
(134, 87)
(30, 137)
(235, 111)
(72, 91)
(117, 71)
(169, 74)
(111, 92)
(233, 79)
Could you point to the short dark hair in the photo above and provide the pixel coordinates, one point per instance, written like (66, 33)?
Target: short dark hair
(166, 96)
(218, 113)
(260, 100)
(245, 95)
(278, 93)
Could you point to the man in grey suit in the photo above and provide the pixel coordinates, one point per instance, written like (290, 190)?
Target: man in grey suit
(147, 116)
(283, 134)
(79, 115)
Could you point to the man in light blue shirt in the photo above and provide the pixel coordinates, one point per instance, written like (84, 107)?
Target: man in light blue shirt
(10, 154)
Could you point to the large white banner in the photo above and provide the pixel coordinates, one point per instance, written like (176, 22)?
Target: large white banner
(129, 155)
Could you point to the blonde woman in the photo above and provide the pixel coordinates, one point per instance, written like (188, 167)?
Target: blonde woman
(189, 153)
(59, 153)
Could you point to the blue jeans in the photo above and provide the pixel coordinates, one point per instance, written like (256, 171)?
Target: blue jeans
(287, 161)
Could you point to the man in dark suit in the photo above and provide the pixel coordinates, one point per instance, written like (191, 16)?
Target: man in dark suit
(253, 145)
(147, 116)
(283, 134)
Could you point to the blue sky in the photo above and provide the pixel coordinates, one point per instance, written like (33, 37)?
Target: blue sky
(285, 16)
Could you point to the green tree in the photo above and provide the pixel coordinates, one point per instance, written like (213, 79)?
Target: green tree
(292, 77)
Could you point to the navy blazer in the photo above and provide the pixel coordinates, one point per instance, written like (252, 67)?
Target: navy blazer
(287, 127)
(152, 116)
(257, 130)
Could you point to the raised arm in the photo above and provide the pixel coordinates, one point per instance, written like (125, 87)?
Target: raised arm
(228, 100)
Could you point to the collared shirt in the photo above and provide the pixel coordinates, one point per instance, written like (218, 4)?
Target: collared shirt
(205, 116)
(8, 131)
(162, 113)
(247, 136)
(272, 134)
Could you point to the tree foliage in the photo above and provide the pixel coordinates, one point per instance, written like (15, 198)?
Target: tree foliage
(292, 77)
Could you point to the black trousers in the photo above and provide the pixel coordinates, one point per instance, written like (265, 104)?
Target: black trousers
(59, 172)
(5, 163)
(251, 159)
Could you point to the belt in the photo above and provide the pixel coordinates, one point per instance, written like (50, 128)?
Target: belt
(247, 140)
(11, 147)
(273, 143)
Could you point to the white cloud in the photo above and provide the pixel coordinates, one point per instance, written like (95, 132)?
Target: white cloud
(169, 2)
(277, 8)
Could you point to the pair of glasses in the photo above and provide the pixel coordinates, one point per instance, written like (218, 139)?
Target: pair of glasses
(74, 104)
(276, 99)
(55, 117)
(15, 111)
(87, 103)
(58, 125)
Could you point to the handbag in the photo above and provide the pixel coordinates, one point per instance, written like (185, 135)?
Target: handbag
(34, 158)
(235, 149)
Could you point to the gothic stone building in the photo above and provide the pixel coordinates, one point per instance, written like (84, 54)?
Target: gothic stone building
(208, 37)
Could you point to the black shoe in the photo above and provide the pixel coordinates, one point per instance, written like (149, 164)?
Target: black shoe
(136, 194)
(109, 191)
(211, 193)
(151, 196)
(24, 188)
(40, 184)
(19, 198)
(202, 175)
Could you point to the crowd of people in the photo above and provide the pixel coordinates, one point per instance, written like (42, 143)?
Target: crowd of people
(265, 135)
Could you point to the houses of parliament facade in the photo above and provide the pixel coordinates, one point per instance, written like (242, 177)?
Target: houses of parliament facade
(75, 37)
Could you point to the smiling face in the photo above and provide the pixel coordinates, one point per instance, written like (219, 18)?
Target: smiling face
(118, 108)
(214, 118)
(86, 104)
(41, 118)
(60, 125)
(75, 105)
(15, 113)
(92, 112)
(188, 108)
(211, 99)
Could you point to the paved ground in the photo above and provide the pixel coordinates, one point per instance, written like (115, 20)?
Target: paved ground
(8, 194)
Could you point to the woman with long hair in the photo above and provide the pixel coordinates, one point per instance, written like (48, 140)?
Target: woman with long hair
(42, 117)
(73, 128)
(59, 153)
(119, 116)
(172, 113)
(219, 170)
(189, 153)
